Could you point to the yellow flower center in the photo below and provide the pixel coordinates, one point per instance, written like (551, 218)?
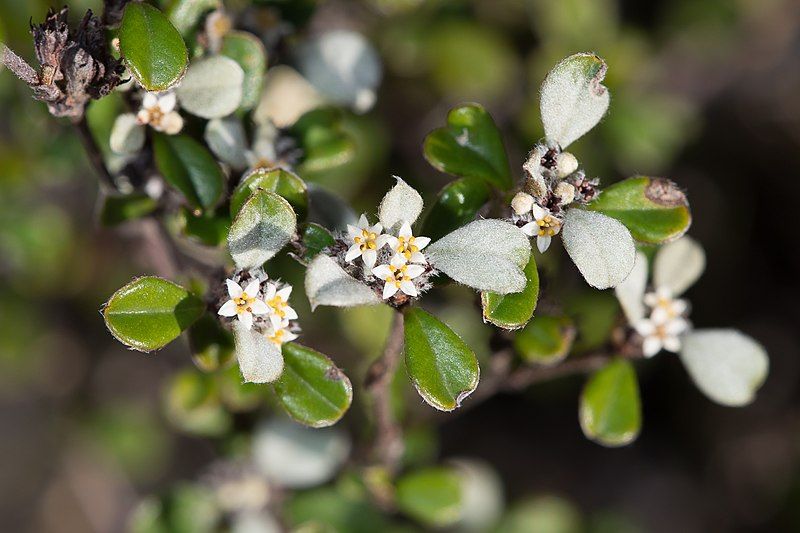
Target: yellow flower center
(278, 305)
(155, 116)
(667, 305)
(406, 246)
(277, 337)
(366, 240)
(548, 226)
(244, 303)
(398, 275)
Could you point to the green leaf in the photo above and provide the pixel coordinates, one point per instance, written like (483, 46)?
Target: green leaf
(514, 310)
(315, 239)
(211, 344)
(432, 496)
(210, 229)
(312, 390)
(153, 49)
(150, 312)
(192, 404)
(595, 314)
(457, 204)
(470, 146)
(263, 226)
(610, 409)
(655, 210)
(324, 142)
(441, 366)
(545, 340)
(247, 50)
(186, 14)
(277, 180)
(117, 209)
(190, 168)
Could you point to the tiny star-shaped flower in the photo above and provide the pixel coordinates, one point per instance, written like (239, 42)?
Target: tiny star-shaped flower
(664, 306)
(543, 227)
(407, 245)
(158, 110)
(278, 303)
(398, 275)
(244, 303)
(366, 241)
(661, 336)
(281, 335)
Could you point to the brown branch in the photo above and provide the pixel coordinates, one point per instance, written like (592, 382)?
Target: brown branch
(388, 446)
(95, 155)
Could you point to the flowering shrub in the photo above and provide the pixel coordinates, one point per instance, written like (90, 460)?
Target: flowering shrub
(211, 155)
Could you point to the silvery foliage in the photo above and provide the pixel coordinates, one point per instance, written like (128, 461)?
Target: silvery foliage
(726, 365)
(212, 87)
(573, 100)
(486, 255)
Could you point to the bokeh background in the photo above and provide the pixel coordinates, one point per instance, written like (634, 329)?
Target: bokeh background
(704, 92)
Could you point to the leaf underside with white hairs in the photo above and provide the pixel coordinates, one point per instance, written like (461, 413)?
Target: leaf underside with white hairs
(725, 364)
(226, 138)
(328, 284)
(630, 292)
(263, 226)
(260, 359)
(678, 265)
(487, 255)
(401, 204)
(573, 98)
(212, 87)
(601, 247)
(127, 135)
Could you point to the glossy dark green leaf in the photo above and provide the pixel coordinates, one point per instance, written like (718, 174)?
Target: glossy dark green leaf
(457, 204)
(610, 408)
(315, 239)
(209, 229)
(545, 340)
(211, 344)
(148, 313)
(441, 366)
(470, 146)
(277, 180)
(594, 314)
(332, 509)
(312, 390)
(153, 49)
(324, 142)
(185, 15)
(655, 210)
(190, 168)
(514, 310)
(247, 50)
(265, 223)
(117, 209)
(431, 496)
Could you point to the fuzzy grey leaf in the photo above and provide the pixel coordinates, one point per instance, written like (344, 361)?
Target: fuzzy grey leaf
(328, 284)
(601, 247)
(401, 204)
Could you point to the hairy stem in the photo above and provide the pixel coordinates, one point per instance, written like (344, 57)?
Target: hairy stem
(388, 446)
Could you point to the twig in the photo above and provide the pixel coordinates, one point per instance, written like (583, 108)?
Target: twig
(388, 446)
(94, 154)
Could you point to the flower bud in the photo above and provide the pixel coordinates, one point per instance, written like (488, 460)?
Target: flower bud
(566, 164)
(522, 203)
(565, 192)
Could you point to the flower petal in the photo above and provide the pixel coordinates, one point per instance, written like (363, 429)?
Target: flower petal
(389, 290)
(269, 291)
(397, 261)
(530, 229)
(651, 346)
(276, 322)
(352, 253)
(150, 100)
(543, 242)
(539, 212)
(234, 289)
(408, 288)
(405, 230)
(413, 271)
(418, 257)
(384, 239)
(363, 223)
(259, 307)
(167, 101)
(672, 344)
(227, 309)
(422, 242)
(289, 313)
(253, 288)
(285, 293)
(172, 123)
(353, 231)
(382, 272)
(369, 257)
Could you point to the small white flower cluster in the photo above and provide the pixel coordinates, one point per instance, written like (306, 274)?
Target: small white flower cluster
(158, 111)
(397, 261)
(553, 182)
(263, 304)
(666, 323)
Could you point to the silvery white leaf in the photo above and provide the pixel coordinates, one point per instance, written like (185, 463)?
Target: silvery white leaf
(252, 521)
(212, 87)
(227, 140)
(328, 284)
(285, 97)
(482, 499)
(260, 359)
(401, 204)
(263, 147)
(127, 135)
(601, 247)
(265, 223)
(679, 264)
(297, 457)
(343, 66)
(487, 255)
(573, 98)
(328, 209)
(630, 292)
(725, 364)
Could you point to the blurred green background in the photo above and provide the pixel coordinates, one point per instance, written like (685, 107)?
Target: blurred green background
(703, 92)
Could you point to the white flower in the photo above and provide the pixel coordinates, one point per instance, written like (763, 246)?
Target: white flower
(543, 227)
(522, 203)
(658, 336)
(278, 303)
(407, 245)
(398, 275)
(281, 335)
(665, 307)
(367, 240)
(244, 303)
(158, 110)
